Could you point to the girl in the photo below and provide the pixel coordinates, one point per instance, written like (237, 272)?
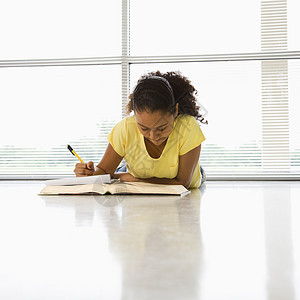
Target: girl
(161, 142)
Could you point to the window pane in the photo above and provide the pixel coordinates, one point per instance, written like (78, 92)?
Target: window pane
(232, 92)
(293, 7)
(194, 27)
(59, 28)
(294, 108)
(48, 108)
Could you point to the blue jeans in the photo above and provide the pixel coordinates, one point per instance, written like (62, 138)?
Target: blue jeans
(122, 168)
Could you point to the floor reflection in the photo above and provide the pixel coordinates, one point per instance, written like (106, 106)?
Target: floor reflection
(155, 240)
(279, 246)
(158, 246)
(152, 247)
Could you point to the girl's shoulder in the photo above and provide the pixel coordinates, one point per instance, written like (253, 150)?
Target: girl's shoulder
(186, 127)
(188, 133)
(129, 124)
(130, 119)
(184, 121)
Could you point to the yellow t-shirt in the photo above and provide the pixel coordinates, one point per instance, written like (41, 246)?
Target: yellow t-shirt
(128, 142)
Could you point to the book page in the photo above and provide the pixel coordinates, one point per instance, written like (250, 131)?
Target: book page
(73, 189)
(80, 180)
(146, 188)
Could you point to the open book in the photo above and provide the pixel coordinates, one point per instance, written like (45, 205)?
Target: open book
(83, 185)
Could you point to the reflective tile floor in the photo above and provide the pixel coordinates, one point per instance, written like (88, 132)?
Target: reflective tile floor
(229, 240)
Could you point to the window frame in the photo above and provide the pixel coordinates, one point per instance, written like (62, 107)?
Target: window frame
(125, 60)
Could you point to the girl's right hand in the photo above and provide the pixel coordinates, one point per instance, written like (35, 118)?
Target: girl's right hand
(83, 169)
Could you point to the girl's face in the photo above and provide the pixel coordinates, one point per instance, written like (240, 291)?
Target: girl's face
(155, 126)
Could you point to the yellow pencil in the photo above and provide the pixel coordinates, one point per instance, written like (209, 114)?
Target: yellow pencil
(74, 153)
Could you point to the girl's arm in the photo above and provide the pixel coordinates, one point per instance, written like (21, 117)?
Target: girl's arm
(187, 165)
(108, 164)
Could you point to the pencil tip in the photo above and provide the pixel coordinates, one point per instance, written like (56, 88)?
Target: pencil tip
(70, 149)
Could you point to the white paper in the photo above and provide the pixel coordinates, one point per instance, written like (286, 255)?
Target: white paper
(80, 180)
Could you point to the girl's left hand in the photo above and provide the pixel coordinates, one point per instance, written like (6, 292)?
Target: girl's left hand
(127, 177)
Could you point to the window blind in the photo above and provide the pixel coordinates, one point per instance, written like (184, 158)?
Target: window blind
(276, 155)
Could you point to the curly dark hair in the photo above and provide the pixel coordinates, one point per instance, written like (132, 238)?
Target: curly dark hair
(164, 94)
